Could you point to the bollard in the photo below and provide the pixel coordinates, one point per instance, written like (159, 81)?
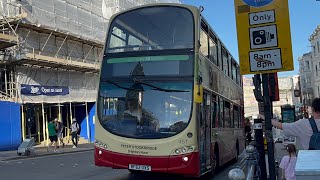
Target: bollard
(251, 162)
(236, 174)
(277, 168)
(260, 147)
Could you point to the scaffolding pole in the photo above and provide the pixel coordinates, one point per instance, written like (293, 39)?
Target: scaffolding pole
(88, 125)
(23, 123)
(11, 83)
(44, 126)
(5, 79)
(70, 119)
(59, 112)
(87, 54)
(61, 46)
(45, 43)
(38, 124)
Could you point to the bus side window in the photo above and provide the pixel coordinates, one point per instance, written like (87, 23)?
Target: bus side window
(238, 75)
(221, 113)
(225, 60)
(227, 123)
(213, 48)
(234, 70)
(236, 116)
(214, 112)
(204, 49)
(220, 60)
(231, 116)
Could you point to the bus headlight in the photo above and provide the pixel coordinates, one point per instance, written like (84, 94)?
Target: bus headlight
(177, 151)
(101, 144)
(184, 150)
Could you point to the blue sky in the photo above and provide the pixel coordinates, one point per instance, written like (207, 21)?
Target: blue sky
(304, 18)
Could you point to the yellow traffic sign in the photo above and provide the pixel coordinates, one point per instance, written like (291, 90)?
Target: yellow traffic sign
(264, 38)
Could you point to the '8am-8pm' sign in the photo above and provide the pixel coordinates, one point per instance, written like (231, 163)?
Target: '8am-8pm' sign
(264, 38)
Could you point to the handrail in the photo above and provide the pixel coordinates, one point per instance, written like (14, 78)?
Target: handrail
(251, 166)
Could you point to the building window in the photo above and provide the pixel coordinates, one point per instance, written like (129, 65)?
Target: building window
(316, 70)
(307, 65)
(318, 44)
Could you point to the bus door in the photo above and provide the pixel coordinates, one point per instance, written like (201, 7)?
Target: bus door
(205, 133)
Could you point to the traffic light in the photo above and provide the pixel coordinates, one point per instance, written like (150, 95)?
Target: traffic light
(257, 87)
(273, 87)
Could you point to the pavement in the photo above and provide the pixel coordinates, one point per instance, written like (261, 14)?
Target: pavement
(41, 150)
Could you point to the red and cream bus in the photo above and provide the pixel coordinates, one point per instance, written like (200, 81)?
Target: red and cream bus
(170, 97)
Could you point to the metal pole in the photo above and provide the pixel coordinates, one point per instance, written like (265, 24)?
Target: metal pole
(88, 125)
(70, 113)
(47, 132)
(258, 136)
(59, 112)
(5, 79)
(43, 124)
(268, 133)
(46, 42)
(61, 46)
(70, 119)
(11, 84)
(23, 123)
(38, 124)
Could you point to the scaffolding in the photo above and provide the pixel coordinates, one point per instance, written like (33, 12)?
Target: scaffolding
(64, 35)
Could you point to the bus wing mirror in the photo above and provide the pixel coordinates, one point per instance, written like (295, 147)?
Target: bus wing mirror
(198, 93)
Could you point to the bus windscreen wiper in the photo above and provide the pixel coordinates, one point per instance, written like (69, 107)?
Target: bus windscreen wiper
(157, 88)
(119, 86)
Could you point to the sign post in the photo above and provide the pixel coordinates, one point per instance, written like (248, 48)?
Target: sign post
(264, 44)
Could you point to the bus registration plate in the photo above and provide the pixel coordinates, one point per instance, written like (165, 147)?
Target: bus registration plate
(139, 167)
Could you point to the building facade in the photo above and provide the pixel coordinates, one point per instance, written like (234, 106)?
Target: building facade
(287, 86)
(306, 78)
(315, 56)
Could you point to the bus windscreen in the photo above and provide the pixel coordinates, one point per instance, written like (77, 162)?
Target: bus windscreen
(144, 110)
(151, 28)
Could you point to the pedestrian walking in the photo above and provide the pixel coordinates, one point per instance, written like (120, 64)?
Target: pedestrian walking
(288, 163)
(52, 135)
(59, 128)
(74, 132)
(306, 130)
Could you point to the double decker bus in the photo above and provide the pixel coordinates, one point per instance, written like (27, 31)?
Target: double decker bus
(170, 97)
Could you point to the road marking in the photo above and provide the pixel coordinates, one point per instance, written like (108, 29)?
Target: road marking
(45, 156)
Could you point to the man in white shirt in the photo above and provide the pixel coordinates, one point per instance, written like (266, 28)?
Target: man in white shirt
(302, 128)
